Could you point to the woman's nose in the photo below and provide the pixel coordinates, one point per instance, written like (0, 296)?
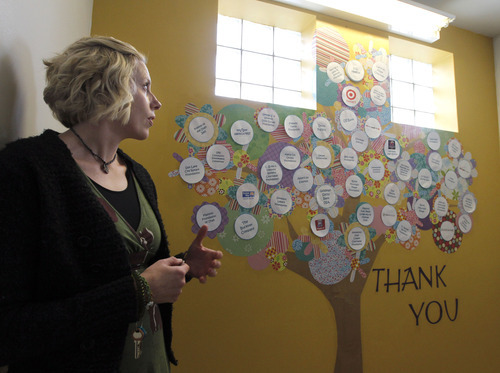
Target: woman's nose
(155, 103)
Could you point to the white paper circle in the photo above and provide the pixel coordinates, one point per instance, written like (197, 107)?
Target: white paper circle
(373, 128)
(354, 70)
(433, 140)
(271, 173)
(392, 193)
(376, 169)
(389, 216)
(241, 132)
(469, 203)
(465, 223)
(281, 202)
(268, 119)
(425, 178)
(348, 120)
(246, 226)
(365, 214)
(403, 170)
(210, 216)
(303, 179)
(351, 96)
(422, 208)
(403, 231)
(322, 157)
(380, 71)
(435, 161)
(294, 126)
(451, 180)
(354, 186)
(464, 168)
(447, 230)
(454, 148)
(359, 141)
(320, 225)
(247, 195)
(392, 149)
(322, 128)
(191, 170)
(349, 158)
(335, 72)
(378, 95)
(218, 157)
(356, 239)
(201, 129)
(325, 196)
(290, 157)
(441, 206)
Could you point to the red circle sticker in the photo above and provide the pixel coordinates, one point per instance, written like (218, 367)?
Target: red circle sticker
(351, 96)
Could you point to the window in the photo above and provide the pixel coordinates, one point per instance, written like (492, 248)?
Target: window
(412, 93)
(259, 63)
(431, 72)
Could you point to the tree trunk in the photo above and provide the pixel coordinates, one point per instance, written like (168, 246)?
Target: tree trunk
(347, 310)
(345, 299)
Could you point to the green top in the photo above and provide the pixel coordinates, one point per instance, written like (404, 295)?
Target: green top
(141, 246)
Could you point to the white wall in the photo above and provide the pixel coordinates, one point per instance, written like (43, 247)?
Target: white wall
(31, 30)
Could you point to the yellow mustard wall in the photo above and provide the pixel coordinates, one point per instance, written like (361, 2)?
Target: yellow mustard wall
(263, 321)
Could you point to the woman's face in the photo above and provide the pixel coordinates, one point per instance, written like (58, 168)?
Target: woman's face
(142, 111)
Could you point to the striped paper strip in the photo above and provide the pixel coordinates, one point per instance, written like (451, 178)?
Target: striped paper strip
(257, 209)
(330, 46)
(378, 144)
(191, 109)
(280, 134)
(279, 241)
(179, 136)
(234, 205)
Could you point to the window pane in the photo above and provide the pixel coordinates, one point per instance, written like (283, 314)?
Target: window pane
(227, 88)
(425, 119)
(401, 69)
(287, 74)
(257, 68)
(424, 99)
(287, 98)
(402, 94)
(257, 37)
(403, 116)
(256, 93)
(228, 62)
(422, 73)
(229, 31)
(287, 43)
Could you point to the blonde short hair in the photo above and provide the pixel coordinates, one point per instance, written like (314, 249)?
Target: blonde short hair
(92, 80)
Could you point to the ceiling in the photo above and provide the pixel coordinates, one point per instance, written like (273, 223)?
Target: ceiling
(479, 16)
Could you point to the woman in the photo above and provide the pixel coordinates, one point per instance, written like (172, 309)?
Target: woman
(87, 282)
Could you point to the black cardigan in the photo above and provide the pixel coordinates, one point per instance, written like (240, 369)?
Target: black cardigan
(66, 291)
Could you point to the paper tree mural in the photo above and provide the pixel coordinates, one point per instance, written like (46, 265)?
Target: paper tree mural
(319, 192)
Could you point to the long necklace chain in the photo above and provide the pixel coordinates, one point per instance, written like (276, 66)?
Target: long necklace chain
(105, 164)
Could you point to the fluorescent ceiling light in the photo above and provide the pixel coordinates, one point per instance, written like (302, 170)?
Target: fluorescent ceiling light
(403, 17)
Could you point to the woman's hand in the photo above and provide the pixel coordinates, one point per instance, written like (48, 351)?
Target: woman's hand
(166, 278)
(202, 261)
